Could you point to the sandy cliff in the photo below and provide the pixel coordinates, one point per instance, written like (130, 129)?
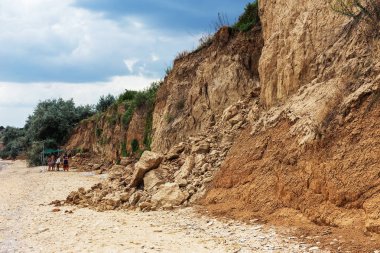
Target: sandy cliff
(316, 148)
(105, 135)
(203, 84)
(280, 120)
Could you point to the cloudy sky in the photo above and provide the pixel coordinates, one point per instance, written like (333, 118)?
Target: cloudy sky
(82, 49)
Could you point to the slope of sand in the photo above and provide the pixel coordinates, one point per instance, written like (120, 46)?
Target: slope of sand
(27, 223)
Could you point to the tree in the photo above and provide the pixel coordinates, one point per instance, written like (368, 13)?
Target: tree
(105, 102)
(14, 142)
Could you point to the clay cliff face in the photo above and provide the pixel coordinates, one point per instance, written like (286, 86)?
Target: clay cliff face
(315, 147)
(104, 135)
(203, 84)
(295, 32)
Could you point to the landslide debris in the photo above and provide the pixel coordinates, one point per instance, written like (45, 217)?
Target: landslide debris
(176, 178)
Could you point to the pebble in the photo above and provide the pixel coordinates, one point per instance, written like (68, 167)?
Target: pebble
(42, 230)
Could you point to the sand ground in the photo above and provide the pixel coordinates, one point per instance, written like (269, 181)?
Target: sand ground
(28, 223)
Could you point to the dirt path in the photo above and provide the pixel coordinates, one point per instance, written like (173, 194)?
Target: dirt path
(27, 223)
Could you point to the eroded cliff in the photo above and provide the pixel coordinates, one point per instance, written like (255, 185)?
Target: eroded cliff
(105, 137)
(316, 147)
(204, 83)
(284, 116)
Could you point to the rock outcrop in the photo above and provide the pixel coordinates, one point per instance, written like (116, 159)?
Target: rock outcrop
(315, 148)
(203, 84)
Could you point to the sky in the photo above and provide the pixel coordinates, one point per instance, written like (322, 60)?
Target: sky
(83, 49)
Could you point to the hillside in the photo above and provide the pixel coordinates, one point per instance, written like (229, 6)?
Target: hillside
(278, 123)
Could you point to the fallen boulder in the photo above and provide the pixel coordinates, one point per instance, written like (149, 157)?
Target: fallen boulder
(151, 179)
(185, 169)
(169, 194)
(148, 161)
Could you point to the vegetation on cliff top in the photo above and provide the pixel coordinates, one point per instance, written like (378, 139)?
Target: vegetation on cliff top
(137, 100)
(49, 126)
(246, 21)
(249, 18)
(104, 103)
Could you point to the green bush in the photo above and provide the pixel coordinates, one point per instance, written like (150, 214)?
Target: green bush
(145, 98)
(128, 115)
(112, 120)
(249, 18)
(35, 149)
(124, 152)
(52, 123)
(135, 145)
(104, 103)
(98, 132)
(148, 130)
(14, 147)
(127, 95)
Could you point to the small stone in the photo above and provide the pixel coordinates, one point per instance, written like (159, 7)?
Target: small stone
(315, 248)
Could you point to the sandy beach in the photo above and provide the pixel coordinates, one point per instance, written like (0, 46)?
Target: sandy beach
(28, 223)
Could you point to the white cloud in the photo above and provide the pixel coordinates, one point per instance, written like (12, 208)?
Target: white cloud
(17, 100)
(130, 63)
(55, 38)
(56, 34)
(155, 57)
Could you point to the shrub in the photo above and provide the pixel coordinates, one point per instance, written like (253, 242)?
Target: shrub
(35, 149)
(105, 102)
(124, 152)
(145, 98)
(249, 18)
(98, 132)
(148, 130)
(13, 148)
(112, 120)
(135, 145)
(127, 95)
(128, 115)
(51, 123)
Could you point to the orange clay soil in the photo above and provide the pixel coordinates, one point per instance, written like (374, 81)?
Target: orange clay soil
(330, 188)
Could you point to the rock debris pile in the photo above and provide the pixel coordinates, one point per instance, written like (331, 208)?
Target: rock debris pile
(165, 181)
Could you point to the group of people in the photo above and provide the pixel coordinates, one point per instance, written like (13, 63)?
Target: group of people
(55, 162)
